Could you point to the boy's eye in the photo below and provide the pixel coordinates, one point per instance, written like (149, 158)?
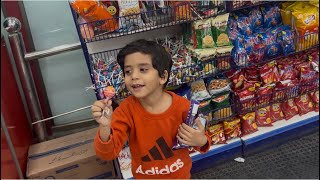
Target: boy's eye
(127, 72)
(143, 70)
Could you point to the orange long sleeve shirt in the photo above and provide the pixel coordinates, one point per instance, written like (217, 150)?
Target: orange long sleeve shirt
(151, 138)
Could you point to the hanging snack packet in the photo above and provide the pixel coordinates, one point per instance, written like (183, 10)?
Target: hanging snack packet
(221, 105)
(205, 110)
(245, 26)
(217, 86)
(304, 104)
(220, 32)
(248, 124)
(273, 47)
(232, 128)
(204, 34)
(263, 117)
(269, 73)
(216, 133)
(237, 78)
(315, 99)
(287, 42)
(256, 18)
(93, 11)
(289, 109)
(129, 15)
(190, 121)
(271, 16)
(276, 113)
(247, 98)
(199, 91)
(264, 95)
(251, 73)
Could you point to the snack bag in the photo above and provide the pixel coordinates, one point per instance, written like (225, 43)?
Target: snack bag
(269, 73)
(232, 29)
(245, 25)
(247, 98)
(217, 86)
(190, 121)
(272, 45)
(315, 99)
(216, 133)
(276, 113)
(205, 110)
(284, 89)
(204, 34)
(289, 109)
(256, 18)
(248, 124)
(239, 53)
(92, 11)
(263, 117)
(253, 47)
(304, 104)
(232, 129)
(286, 72)
(264, 94)
(251, 73)
(199, 91)
(182, 10)
(271, 16)
(220, 33)
(129, 15)
(220, 104)
(287, 42)
(237, 78)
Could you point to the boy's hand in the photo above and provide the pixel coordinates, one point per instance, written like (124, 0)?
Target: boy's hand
(102, 111)
(192, 137)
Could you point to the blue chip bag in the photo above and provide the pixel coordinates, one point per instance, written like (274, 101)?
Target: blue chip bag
(287, 42)
(244, 25)
(272, 44)
(233, 31)
(256, 18)
(271, 16)
(239, 53)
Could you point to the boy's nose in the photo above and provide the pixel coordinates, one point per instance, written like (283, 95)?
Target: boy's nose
(135, 75)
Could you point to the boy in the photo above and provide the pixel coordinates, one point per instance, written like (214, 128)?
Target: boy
(151, 118)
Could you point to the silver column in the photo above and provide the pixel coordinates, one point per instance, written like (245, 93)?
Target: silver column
(13, 26)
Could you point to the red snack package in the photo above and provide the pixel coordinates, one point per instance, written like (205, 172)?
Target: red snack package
(247, 98)
(286, 88)
(276, 113)
(315, 99)
(232, 129)
(248, 124)
(237, 79)
(264, 94)
(251, 73)
(217, 134)
(289, 109)
(269, 73)
(263, 117)
(304, 104)
(286, 72)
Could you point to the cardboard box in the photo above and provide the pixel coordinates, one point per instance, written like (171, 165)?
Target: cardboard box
(68, 157)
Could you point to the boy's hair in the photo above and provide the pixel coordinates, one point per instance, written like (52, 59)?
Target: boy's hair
(161, 59)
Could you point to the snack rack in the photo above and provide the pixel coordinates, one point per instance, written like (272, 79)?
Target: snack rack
(170, 19)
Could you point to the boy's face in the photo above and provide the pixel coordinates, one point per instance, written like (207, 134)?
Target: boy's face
(141, 78)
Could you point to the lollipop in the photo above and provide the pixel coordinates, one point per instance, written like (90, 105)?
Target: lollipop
(109, 92)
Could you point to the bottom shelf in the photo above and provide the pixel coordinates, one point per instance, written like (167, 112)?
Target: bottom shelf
(263, 133)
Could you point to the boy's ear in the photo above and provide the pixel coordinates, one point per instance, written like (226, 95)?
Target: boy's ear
(164, 77)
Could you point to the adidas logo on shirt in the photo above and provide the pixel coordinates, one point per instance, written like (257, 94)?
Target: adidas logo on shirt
(166, 170)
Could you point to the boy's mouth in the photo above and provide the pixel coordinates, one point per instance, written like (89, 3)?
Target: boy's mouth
(137, 87)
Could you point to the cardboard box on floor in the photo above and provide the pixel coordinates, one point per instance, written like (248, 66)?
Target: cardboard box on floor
(69, 157)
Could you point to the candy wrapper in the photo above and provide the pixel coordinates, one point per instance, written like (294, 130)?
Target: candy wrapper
(190, 121)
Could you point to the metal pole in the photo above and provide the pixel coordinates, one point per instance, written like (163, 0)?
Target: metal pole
(13, 26)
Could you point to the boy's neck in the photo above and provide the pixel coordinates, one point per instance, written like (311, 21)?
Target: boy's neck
(157, 103)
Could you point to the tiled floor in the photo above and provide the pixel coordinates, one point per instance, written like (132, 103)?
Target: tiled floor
(297, 159)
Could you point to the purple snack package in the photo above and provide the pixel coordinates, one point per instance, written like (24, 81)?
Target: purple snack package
(190, 121)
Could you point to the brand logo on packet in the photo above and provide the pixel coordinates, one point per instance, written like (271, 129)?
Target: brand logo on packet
(309, 19)
(166, 170)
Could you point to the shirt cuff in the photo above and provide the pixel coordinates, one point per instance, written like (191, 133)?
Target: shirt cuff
(205, 148)
(104, 146)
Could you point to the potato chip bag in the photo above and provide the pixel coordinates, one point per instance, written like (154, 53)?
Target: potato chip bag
(304, 104)
(315, 98)
(289, 109)
(248, 124)
(263, 117)
(276, 113)
(219, 30)
(217, 134)
(232, 129)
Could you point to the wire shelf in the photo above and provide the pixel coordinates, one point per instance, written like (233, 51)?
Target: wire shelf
(238, 5)
(145, 21)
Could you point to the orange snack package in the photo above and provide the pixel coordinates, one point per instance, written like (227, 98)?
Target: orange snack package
(91, 11)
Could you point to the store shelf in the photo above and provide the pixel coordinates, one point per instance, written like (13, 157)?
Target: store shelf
(216, 149)
(280, 127)
(238, 5)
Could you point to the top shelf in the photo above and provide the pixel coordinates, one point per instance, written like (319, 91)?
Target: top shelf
(239, 4)
(118, 26)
